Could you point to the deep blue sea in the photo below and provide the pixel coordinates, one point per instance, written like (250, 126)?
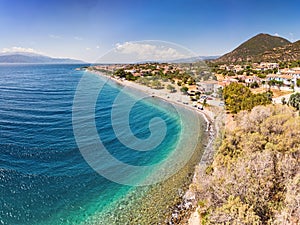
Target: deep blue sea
(44, 179)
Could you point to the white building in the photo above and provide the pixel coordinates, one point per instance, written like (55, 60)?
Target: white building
(252, 79)
(294, 73)
(287, 80)
(208, 86)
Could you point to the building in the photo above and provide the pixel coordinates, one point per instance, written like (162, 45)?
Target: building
(228, 80)
(287, 80)
(252, 79)
(208, 86)
(293, 74)
(263, 66)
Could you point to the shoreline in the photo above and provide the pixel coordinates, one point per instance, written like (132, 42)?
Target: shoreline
(184, 209)
(162, 94)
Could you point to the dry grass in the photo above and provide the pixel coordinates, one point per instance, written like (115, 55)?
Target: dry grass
(276, 92)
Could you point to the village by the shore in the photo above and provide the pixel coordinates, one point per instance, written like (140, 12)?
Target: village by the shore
(199, 85)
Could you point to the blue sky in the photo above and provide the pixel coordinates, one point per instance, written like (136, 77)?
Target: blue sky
(87, 29)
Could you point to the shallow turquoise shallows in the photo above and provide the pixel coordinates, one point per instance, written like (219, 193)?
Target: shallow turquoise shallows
(44, 178)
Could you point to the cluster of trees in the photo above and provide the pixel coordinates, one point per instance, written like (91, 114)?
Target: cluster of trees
(259, 73)
(253, 85)
(172, 74)
(156, 84)
(238, 97)
(277, 83)
(123, 74)
(183, 77)
(247, 70)
(150, 82)
(255, 175)
(286, 64)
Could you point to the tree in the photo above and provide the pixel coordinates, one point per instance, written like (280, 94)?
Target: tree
(123, 74)
(254, 85)
(279, 84)
(184, 89)
(294, 64)
(171, 88)
(129, 76)
(262, 76)
(120, 73)
(156, 84)
(294, 100)
(191, 81)
(220, 92)
(271, 83)
(298, 82)
(144, 81)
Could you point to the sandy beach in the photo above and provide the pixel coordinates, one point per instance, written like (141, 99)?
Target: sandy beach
(177, 97)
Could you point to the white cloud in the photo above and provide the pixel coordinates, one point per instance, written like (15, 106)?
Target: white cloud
(149, 51)
(88, 49)
(276, 34)
(19, 49)
(97, 46)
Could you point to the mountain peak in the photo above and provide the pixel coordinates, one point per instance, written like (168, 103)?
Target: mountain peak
(251, 49)
(264, 35)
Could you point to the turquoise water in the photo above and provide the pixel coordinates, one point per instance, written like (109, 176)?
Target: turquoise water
(44, 178)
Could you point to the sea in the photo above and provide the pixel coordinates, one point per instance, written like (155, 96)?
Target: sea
(46, 175)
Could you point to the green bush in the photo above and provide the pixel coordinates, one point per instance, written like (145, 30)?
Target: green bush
(239, 97)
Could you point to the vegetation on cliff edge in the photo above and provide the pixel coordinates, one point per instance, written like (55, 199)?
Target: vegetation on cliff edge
(255, 176)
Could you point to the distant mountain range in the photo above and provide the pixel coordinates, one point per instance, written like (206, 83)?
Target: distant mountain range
(263, 47)
(182, 60)
(24, 57)
(193, 59)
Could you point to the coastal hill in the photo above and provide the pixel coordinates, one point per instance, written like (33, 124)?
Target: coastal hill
(257, 48)
(24, 57)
